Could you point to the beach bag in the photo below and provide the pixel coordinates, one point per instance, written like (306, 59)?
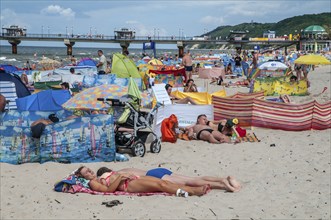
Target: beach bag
(168, 129)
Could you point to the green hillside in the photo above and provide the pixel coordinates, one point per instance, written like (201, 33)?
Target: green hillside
(286, 26)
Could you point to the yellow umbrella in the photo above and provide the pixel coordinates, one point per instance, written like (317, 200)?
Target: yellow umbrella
(155, 62)
(312, 59)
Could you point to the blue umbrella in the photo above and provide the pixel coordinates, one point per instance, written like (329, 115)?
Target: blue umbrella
(48, 100)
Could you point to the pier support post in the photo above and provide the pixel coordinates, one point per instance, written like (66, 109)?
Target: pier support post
(69, 45)
(14, 44)
(181, 47)
(125, 45)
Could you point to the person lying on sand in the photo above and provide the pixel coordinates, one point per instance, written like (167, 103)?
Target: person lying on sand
(205, 132)
(185, 100)
(229, 183)
(213, 131)
(136, 184)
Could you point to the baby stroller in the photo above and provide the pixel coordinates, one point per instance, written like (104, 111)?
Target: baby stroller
(137, 126)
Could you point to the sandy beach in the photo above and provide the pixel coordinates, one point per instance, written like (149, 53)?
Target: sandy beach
(290, 180)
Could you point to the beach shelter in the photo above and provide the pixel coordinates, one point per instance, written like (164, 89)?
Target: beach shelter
(48, 100)
(20, 87)
(8, 68)
(87, 62)
(124, 67)
(312, 59)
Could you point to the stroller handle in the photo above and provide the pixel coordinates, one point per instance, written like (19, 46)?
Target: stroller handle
(113, 102)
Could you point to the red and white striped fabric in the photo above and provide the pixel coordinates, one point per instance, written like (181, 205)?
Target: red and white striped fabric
(252, 110)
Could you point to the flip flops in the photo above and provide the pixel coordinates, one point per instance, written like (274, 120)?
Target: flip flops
(111, 203)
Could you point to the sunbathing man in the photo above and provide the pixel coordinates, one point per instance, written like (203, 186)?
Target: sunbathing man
(135, 184)
(205, 132)
(174, 99)
(229, 184)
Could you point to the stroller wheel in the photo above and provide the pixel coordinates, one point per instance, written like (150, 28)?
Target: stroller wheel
(155, 146)
(138, 148)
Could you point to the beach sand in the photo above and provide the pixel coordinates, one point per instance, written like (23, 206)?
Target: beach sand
(287, 181)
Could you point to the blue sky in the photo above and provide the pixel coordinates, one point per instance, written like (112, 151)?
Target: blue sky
(166, 18)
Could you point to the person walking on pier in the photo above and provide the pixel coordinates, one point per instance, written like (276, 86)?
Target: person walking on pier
(102, 65)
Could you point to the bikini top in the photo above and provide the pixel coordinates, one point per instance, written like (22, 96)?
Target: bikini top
(106, 176)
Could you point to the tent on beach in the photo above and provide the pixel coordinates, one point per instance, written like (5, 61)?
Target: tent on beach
(124, 67)
(86, 62)
(8, 68)
(20, 87)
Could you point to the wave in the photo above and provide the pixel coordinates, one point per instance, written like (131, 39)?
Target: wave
(8, 60)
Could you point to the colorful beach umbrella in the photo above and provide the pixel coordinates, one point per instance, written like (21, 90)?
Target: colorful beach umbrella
(87, 99)
(312, 59)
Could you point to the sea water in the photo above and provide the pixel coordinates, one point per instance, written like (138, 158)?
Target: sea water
(34, 54)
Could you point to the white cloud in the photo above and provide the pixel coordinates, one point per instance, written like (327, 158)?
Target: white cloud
(7, 14)
(58, 10)
(212, 20)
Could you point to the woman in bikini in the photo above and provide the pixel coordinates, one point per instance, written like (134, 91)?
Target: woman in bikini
(190, 86)
(229, 184)
(226, 127)
(136, 184)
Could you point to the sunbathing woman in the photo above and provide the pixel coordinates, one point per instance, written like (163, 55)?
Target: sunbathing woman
(190, 86)
(224, 126)
(229, 184)
(135, 184)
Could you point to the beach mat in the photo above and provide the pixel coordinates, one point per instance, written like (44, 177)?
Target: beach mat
(249, 138)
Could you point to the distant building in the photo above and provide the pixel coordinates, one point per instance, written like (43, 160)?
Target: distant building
(269, 34)
(14, 30)
(312, 34)
(124, 33)
(237, 35)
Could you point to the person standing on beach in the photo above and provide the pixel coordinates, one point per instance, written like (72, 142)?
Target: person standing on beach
(102, 65)
(187, 62)
(254, 62)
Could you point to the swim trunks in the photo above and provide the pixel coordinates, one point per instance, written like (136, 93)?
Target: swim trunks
(206, 129)
(158, 172)
(188, 68)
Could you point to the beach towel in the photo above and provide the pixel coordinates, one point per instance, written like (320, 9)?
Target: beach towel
(72, 184)
(249, 138)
